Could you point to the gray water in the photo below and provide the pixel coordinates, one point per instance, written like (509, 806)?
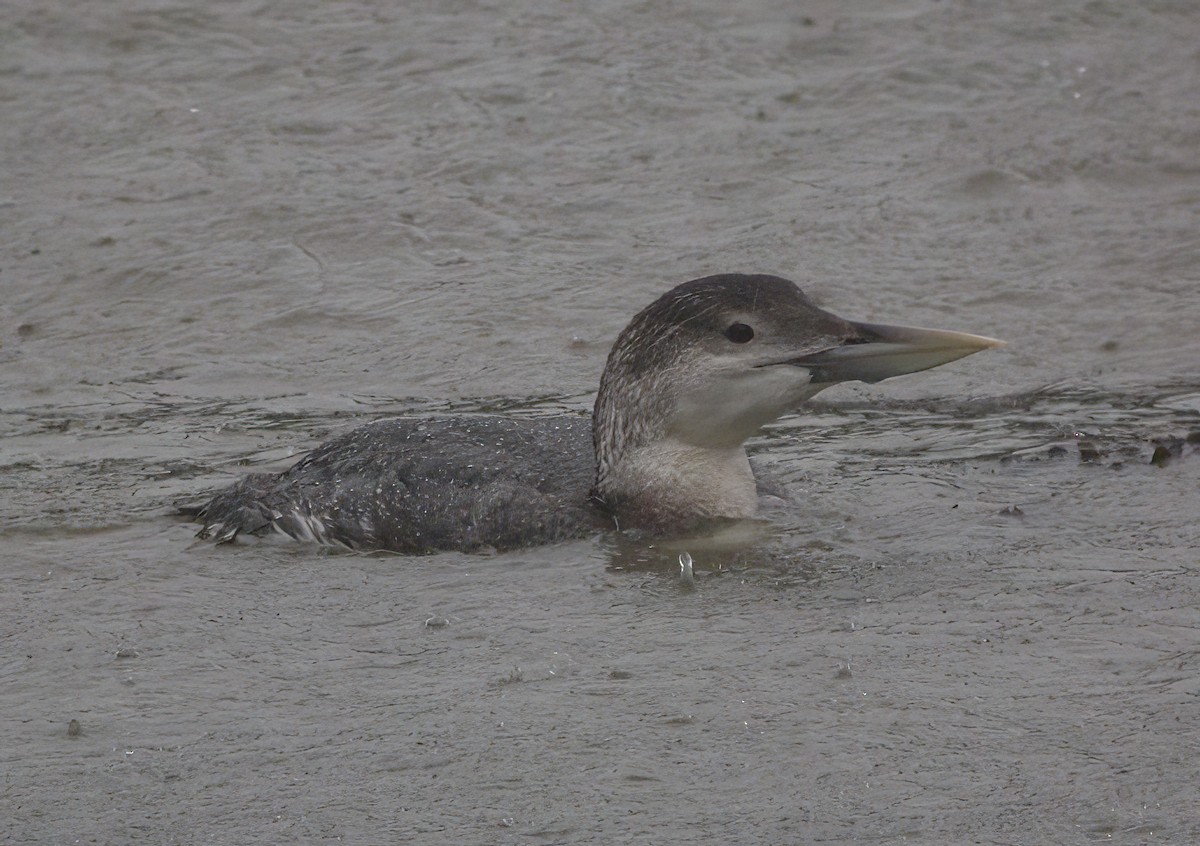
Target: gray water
(228, 230)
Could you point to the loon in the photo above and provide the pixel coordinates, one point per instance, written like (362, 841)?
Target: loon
(691, 377)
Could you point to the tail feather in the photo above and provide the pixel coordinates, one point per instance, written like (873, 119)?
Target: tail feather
(236, 510)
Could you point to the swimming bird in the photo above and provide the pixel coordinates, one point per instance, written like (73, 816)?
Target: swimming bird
(691, 377)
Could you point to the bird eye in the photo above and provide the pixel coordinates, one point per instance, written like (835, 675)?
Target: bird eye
(739, 333)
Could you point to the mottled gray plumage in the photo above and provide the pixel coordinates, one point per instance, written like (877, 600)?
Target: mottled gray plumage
(691, 377)
(418, 485)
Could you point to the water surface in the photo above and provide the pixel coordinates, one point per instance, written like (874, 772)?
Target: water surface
(230, 230)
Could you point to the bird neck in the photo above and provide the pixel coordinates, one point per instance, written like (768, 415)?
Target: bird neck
(668, 484)
(649, 475)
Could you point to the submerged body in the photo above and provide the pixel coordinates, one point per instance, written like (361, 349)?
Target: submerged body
(419, 485)
(687, 382)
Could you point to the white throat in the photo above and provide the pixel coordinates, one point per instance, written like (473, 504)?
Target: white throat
(671, 482)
